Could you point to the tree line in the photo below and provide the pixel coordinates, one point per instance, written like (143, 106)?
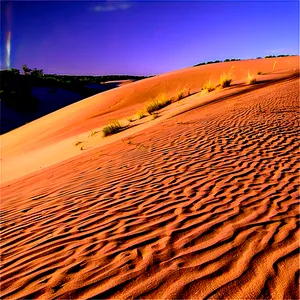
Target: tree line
(237, 59)
(16, 87)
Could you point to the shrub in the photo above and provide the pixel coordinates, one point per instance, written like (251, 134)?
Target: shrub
(259, 73)
(112, 128)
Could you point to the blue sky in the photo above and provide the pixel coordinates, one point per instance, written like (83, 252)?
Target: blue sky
(143, 37)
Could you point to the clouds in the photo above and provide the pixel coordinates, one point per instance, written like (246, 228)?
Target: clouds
(110, 6)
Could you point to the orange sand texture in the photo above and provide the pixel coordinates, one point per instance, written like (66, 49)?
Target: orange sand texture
(199, 203)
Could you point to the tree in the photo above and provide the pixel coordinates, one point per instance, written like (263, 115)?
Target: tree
(26, 70)
(15, 71)
(37, 73)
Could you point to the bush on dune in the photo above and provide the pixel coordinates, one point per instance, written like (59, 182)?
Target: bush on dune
(179, 96)
(157, 104)
(208, 87)
(140, 114)
(251, 79)
(226, 78)
(112, 128)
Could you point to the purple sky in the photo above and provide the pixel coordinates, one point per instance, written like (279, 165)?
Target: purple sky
(143, 37)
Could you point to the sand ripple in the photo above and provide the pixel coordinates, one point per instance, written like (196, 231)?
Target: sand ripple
(203, 206)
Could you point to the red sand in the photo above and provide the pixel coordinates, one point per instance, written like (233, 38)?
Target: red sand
(201, 202)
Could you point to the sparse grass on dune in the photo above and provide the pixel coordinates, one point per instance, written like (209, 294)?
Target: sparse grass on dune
(130, 119)
(93, 132)
(251, 79)
(226, 78)
(208, 87)
(179, 95)
(114, 127)
(157, 104)
(154, 116)
(140, 114)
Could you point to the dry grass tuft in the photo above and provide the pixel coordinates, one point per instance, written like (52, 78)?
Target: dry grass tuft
(274, 65)
(226, 79)
(114, 127)
(78, 143)
(208, 87)
(251, 79)
(179, 96)
(93, 132)
(157, 104)
(140, 114)
(130, 119)
(259, 73)
(154, 116)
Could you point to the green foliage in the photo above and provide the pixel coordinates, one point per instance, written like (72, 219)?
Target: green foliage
(37, 73)
(203, 63)
(231, 59)
(15, 71)
(26, 69)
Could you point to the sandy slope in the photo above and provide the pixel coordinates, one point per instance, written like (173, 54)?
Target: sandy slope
(51, 139)
(201, 204)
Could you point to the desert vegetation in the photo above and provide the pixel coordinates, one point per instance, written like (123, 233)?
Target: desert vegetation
(140, 114)
(226, 78)
(114, 127)
(179, 95)
(208, 87)
(157, 104)
(250, 79)
(93, 132)
(154, 116)
(238, 59)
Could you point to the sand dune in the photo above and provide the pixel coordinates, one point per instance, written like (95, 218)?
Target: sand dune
(51, 139)
(201, 203)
